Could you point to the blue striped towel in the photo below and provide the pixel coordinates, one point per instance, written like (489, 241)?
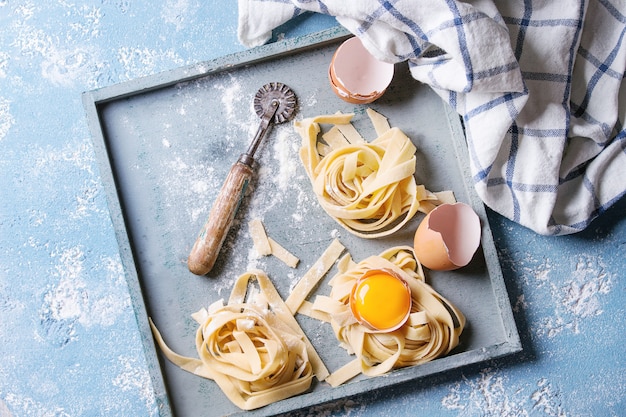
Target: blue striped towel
(537, 83)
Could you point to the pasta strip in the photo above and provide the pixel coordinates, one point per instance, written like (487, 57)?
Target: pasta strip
(380, 122)
(334, 138)
(345, 373)
(283, 254)
(312, 277)
(306, 309)
(265, 245)
(259, 237)
(350, 133)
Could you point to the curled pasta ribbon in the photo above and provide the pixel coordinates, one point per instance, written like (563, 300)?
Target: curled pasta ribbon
(254, 350)
(367, 187)
(432, 330)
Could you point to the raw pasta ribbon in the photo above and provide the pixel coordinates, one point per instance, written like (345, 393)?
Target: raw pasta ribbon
(367, 187)
(432, 330)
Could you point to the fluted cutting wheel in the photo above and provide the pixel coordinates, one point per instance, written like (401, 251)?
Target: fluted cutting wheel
(286, 98)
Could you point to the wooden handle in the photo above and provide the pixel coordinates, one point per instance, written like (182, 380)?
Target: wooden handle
(211, 237)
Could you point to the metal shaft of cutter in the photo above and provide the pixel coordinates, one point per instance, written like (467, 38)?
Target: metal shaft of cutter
(248, 157)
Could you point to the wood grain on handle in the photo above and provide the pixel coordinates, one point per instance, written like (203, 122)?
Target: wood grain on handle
(211, 237)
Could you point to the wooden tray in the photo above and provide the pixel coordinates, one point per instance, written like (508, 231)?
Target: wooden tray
(165, 144)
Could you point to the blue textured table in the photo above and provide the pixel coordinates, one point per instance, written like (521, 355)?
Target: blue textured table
(70, 343)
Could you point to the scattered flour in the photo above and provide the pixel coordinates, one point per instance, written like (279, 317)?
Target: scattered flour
(140, 62)
(490, 394)
(63, 302)
(304, 200)
(50, 163)
(88, 22)
(175, 12)
(232, 98)
(576, 299)
(29, 406)
(184, 185)
(77, 153)
(136, 378)
(86, 199)
(312, 100)
(285, 146)
(70, 302)
(547, 399)
(123, 6)
(581, 296)
(64, 61)
(4, 63)
(7, 304)
(32, 42)
(253, 259)
(26, 10)
(6, 118)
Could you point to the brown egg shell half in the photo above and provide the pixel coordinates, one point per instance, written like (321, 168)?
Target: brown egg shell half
(448, 237)
(356, 76)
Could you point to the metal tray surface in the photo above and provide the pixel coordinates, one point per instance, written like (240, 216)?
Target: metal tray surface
(165, 144)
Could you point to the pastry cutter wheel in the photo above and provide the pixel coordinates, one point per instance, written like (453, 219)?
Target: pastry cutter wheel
(274, 102)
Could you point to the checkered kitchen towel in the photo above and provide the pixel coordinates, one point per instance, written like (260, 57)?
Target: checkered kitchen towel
(538, 84)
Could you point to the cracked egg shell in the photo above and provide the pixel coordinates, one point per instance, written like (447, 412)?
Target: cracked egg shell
(448, 237)
(356, 76)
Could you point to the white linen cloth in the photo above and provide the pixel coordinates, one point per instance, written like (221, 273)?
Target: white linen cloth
(537, 83)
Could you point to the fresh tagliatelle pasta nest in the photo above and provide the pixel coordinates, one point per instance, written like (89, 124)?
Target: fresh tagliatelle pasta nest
(369, 188)
(432, 329)
(254, 350)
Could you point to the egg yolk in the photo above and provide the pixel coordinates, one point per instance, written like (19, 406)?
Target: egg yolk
(381, 300)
